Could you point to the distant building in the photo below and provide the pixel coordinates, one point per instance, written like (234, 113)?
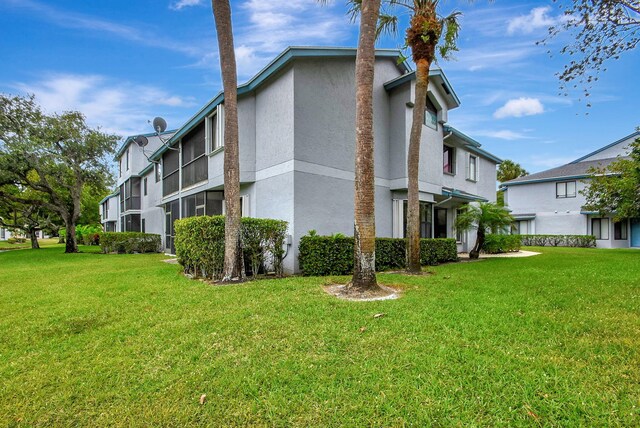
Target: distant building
(549, 202)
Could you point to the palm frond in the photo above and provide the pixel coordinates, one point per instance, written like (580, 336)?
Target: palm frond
(387, 24)
(451, 25)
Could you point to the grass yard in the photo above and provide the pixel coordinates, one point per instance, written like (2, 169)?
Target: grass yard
(47, 242)
(125, 340)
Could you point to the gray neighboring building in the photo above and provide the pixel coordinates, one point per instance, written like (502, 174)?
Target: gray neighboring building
(549, 202)
(297, 140)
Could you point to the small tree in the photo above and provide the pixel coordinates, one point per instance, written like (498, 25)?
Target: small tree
(616, 188)
(510, 170)
(56, 156)
(485, 216)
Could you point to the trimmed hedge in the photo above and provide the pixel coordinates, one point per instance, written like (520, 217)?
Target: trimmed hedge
(333, 255)
(584, 241)
(130, 242)
(495, 244)
(199, 245)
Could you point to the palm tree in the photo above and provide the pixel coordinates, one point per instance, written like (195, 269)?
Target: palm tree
(509, 170)
(233, 264)
(364, 270)
(486, 216)
(428, 33)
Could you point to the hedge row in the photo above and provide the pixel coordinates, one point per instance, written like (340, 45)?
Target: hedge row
(494, 243)
(585, 241)
(199, 245)
(333, 255)
(130, 242)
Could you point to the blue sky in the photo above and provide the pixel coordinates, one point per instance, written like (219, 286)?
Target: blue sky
(124, 62)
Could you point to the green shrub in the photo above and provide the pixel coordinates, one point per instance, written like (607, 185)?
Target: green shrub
(584, 241)
(199, 245)
(88, 234)
(130, 242)
(333, 255)
(495, 244)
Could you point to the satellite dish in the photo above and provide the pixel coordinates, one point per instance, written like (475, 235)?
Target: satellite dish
(141, 141)
(159, 124)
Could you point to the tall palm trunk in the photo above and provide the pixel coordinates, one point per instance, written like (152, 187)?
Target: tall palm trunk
(233, 267)
(413, 167)
(423, 51)
(364, 270)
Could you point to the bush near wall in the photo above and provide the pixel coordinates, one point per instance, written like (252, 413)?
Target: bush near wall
(333, 255)
(495, 243)
(584, 241)
(199, 245)
(88, 234)
(130, 242)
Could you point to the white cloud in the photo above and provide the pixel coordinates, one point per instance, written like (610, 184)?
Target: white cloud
(122, 108)
(519, 107)
(181, 4)
(503, 134)
(270, 26)
(536, 19)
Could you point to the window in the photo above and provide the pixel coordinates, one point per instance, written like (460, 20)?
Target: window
(459, 233)
(448, 160)
(3, 234)
(158, 172)
(105, 209)
(620, 231)
(431, 115)
(127, 157)
(566, 189)
(194, 161)
(521, 227)
(472, 173)
(143, 226)
(440, 227)
(130, 194)
(426, 219)
(171, 171)
(145, 186)
(214, 129)
(600, 228)
(130, 223)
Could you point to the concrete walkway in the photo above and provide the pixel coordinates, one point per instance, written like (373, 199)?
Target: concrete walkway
(512, 254)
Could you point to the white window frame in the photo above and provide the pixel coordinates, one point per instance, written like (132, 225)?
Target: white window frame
(245, 206)
(604, 227)
(214, 126)
(560, 194)
(475, 175)
(398, 218)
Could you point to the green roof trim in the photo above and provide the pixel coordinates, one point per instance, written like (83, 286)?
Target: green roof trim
(436, 72)
(146, 169)
(130, 139)
(635, 134)
(546, 180)
(472, 145)
(288, 55)
(463, 195)
(113, 195)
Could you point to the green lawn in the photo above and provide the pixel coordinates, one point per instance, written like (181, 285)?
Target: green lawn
(125, 340)
(48, 242)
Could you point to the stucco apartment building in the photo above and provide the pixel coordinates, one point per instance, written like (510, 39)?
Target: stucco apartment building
(550, 202)
(297, 138)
